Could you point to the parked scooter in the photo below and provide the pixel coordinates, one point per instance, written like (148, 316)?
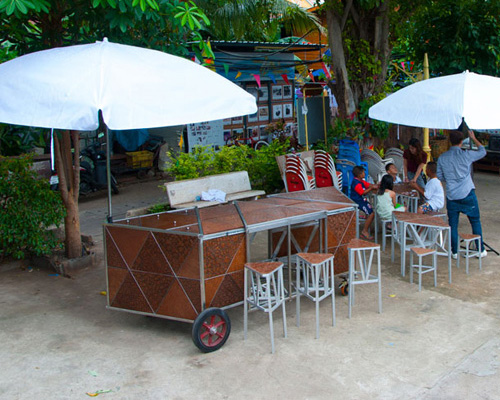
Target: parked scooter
(92, 171)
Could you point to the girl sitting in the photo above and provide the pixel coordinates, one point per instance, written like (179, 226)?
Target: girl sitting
(386, 199)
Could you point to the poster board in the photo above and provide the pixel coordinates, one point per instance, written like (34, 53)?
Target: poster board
(209, 133)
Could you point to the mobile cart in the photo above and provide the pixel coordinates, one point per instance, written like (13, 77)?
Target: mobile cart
(188, 265)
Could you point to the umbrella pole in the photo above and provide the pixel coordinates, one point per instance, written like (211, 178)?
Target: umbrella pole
(426, 146)
(305, 123)
(108, 172)
(324, 116)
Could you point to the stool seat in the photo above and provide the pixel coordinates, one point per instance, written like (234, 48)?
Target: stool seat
(468, 236)
(361, 244)
(467, 253)
(421, 252)
(361, 260)
(264, 268)
(315, 258)
(315, 281)
(264, 290)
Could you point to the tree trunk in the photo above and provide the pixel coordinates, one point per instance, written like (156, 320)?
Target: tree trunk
(68, 171)
(341, 89)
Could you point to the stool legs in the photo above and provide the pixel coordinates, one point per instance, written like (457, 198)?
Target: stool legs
(360, 267)
(468, 252)
(318, 283)
(266, 296)
(422, 269)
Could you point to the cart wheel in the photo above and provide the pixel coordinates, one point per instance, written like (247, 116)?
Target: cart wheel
(344, 288)
(211, 329)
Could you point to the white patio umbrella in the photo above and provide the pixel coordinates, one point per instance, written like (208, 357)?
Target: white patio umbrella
(443, 102)
(66, 87)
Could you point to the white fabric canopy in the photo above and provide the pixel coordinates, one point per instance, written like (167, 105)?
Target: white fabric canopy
(443, 102)
(64, 88)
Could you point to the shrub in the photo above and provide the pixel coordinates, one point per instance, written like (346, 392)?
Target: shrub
(27, 208)
(261, 164)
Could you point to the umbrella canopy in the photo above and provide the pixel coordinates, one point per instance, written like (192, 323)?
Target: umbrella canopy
(64, 88)
(443, 102)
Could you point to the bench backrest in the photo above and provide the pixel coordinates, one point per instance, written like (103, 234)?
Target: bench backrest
(187, 190)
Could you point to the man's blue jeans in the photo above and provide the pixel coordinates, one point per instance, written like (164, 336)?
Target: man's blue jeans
(469, 207)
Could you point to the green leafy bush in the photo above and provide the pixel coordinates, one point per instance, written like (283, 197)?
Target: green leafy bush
(27, 208)
(261, 164)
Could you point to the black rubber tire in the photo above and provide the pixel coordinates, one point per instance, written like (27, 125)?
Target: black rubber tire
(260, 144)
(114, 185)
(86, 184)
(211, 323)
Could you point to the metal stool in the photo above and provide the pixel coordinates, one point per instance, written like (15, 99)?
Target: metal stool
(361, 253)
(421, 252)
(385, 235)
(266, 292)
(467, 239)
(315, 281)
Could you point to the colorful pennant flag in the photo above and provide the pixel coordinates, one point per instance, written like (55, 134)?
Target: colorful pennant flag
(226, 69)
(257, 79)
(327, 71)
(238, 75)
(271, 75)
(285, 78)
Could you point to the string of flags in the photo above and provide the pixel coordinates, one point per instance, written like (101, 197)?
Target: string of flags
(405, 64)
(303, 71)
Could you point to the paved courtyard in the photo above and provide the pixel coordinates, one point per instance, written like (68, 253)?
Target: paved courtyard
(58, 340)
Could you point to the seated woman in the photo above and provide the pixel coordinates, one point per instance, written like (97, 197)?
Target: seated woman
(386, 199)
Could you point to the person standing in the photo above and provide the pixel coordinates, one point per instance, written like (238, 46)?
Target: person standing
(414, 158)
(454, 169)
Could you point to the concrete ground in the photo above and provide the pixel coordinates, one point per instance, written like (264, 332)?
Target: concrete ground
(58, 341)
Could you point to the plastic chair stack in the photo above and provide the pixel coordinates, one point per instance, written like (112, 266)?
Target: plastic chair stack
(345, 168)
(325, 173)
(296, 175)
(376, 164)
(397, 157)
(349, 150)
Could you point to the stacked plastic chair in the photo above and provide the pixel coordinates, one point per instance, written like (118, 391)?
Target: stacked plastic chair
(345, 168)
(397, 156)
(376, 165)
(296, 175)
(325, 173)
(349, 151)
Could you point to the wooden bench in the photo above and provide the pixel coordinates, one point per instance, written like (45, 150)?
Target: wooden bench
(236, 185)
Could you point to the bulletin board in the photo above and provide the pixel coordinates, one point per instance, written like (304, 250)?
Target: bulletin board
(205, 133)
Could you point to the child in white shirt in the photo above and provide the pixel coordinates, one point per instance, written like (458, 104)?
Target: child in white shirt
(433, 192)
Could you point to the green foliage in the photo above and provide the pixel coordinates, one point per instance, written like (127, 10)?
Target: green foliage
(457, 35)
(204, 160)
(27, 208)
(362, 65)
(17, 140)
(158, 208)
(157, 24)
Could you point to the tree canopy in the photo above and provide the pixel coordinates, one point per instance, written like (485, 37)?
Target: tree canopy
(456, 35)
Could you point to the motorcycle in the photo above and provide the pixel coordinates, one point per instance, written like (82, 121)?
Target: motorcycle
(92, 171)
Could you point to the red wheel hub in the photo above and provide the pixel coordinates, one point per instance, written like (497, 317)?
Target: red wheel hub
(213, 330)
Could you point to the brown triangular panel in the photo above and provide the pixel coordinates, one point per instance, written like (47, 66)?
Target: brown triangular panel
(218, 254)
(191, 266)
(211, 287)
(151, 258)
(238, 278)
(341, 228)
(130, 297)
(239, 259)
(228, 293)
(116, 276)
(113, 257)
(176, 304)
(154, 286)
(176, 248)
(128, 240)
(192, 288)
